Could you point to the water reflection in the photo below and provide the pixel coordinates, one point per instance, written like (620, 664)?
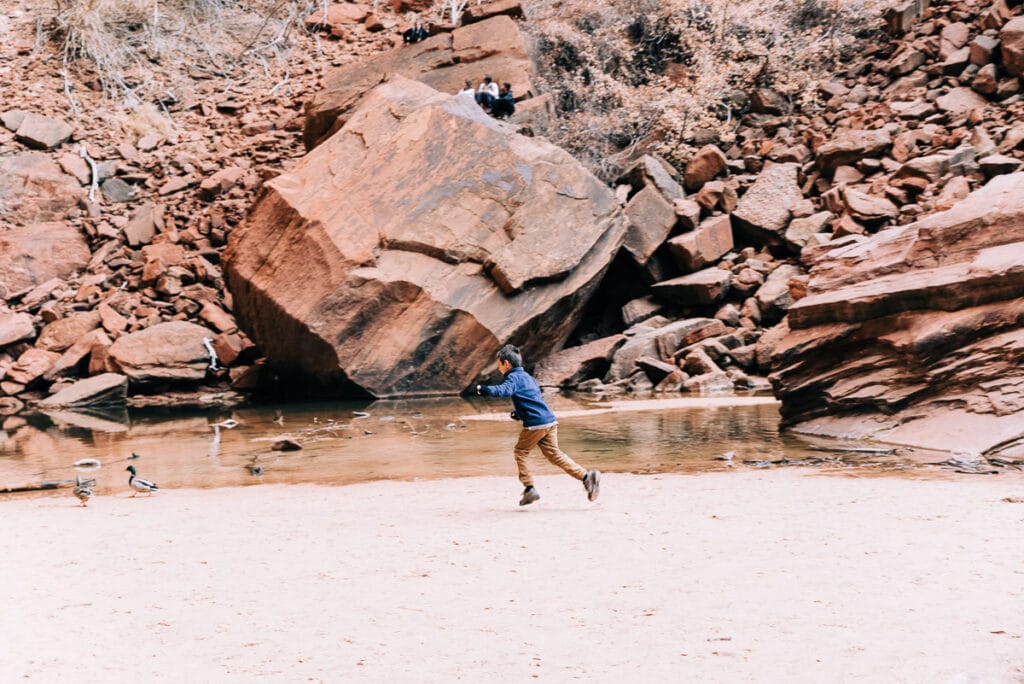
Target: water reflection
(351, 442)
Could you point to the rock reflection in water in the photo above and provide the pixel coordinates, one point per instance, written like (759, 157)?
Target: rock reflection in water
(345, 442)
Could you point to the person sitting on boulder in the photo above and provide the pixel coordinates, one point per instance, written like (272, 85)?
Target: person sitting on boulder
(487, 93)
(468, 89)
(505, 105)
(415, 33)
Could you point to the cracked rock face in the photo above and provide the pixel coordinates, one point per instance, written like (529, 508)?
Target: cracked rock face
(916, 336)
(400, 254)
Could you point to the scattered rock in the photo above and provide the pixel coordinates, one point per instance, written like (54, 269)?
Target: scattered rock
(695, 250)
(30, 366)
(21, 269)
(99, 390)
(63, 333)
(763, 213)
(573, 365)
(703, 288)
(167, 352)
(654, 172)
(42, 132)
(147, 221)
(651, 219)
(1011, 42)
(116, 190)
(960, 101)
(15, 327)
(705, 165)
(35, 190)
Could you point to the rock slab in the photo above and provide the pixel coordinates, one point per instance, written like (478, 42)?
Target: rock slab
(106, 388)
(915, 335)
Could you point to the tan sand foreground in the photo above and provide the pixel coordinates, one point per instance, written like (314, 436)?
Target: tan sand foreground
(773, 576)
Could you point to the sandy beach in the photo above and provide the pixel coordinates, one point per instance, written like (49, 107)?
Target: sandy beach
(776, 575)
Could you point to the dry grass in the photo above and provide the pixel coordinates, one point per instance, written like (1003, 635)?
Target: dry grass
(646, 75)
(141, 50)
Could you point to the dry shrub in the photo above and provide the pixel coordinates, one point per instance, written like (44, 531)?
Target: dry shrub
(144, 119)
(139, 50)
(633, 76)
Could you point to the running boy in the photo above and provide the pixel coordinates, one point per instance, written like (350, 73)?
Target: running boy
(539, 425)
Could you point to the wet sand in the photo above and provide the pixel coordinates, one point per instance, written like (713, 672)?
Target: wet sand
(772, 575)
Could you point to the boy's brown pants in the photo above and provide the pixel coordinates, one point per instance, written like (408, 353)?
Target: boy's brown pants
(547, 440)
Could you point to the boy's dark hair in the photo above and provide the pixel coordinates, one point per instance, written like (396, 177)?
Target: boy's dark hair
(510, 354)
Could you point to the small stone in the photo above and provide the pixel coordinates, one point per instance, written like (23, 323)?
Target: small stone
(42, 132)
(218, 318)
(147, 143)
(176, 184)
(116, 190)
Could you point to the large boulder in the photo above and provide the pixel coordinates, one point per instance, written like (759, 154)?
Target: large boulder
(445, 61)
(915, 335)
(33, 189)
(396, 259)
(166, 353)
(32, 255)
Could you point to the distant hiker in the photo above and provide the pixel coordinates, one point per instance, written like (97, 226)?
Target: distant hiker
(487, 93)
(468, 89)
(539, 425)
(505, 105)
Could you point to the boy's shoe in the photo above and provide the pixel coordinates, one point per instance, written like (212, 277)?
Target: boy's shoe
(529, 496)
(592, 483)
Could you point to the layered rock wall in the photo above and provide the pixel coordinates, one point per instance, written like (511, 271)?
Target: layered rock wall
(916, 335)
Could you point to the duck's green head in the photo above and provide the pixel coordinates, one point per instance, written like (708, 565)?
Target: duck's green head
(131, 469)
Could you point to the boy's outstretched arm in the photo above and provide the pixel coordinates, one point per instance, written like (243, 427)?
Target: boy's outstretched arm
(505, 389)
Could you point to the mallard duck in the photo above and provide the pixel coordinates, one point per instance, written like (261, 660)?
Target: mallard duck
(83, 489)
(138, 484)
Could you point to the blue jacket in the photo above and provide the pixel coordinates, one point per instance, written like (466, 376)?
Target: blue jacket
(525, 392)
